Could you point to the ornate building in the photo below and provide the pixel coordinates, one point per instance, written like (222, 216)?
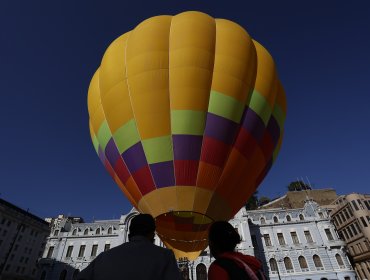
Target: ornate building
(22, 241)
(351, 217)
(292, 243)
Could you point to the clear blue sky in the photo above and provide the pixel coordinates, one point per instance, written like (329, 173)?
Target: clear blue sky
(50, 49)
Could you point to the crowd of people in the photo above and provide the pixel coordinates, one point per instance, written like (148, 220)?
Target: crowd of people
(141, 259)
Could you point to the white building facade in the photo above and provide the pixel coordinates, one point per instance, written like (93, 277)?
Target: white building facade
(292, 244)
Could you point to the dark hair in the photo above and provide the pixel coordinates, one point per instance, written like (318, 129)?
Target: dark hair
(223, 236)
(142, 224)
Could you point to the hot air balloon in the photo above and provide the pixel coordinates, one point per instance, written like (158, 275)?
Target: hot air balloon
(187, 115)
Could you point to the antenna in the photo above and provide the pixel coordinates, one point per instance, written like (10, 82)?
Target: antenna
(309, 182)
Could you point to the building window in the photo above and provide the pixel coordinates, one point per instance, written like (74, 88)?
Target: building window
(69, 251)
(294, 236)
(94, 250)
(349, 231)
(328, 234)
(273, 265)
(74, 232)
(303, 263)
(86, 231)
(345, 234)
(263, 221)
(281, 238)
(276, 220)
(288, 218)
(56, 232)
(346, 213)
(342, 216)
(339, 260)
(97, 231)
(301, 217)
(367, 204)
(317, 262)
(321, 215)
(201, 272)
(367, 246)
(50, 252)
(363, 221)
(355, 205)
(82, 251)
(308, 236)
(106, 247)
(360, 204)
(267, 239)
(347, 278)
(359, 247)
(110, 230)
(288, 264)
(353, 229)
(339, 219)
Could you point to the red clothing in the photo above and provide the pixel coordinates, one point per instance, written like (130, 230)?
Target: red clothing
(216, 272)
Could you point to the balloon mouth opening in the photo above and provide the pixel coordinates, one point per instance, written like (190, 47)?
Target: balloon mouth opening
(186, 231)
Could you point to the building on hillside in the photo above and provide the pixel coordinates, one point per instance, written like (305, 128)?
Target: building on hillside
(296, 199)
(351, 217)
(22, 241)
(296, 244)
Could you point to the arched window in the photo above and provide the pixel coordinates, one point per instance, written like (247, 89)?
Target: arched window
(110, 230)
(74, 232)
(263, 221)
(317, 261)
(288, 218)
(201, 272)
(97, 231)
(273, 265)
(276, 220)
(86, 232)
(63, 275)
(339, 260)
(288, 264)
(302, 262)
(301, 217)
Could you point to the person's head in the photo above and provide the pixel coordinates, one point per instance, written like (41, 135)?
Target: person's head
(144, 225)
(222, 237)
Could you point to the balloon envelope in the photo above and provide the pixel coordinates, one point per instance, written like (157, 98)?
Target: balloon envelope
(186, 114)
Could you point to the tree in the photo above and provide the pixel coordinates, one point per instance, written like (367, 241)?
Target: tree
(298, 186)
(252, 202)
(263, 200)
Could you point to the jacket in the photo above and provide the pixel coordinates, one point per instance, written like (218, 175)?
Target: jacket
(138, 259)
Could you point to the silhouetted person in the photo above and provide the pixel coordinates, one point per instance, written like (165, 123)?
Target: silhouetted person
(138, 259)
(230, 265)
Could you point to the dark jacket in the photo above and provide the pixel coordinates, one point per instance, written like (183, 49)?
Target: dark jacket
(138, 259)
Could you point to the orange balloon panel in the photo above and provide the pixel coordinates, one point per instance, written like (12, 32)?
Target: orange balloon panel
(187, 115)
